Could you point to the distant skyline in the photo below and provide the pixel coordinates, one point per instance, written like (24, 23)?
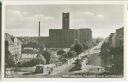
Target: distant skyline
(22, 20)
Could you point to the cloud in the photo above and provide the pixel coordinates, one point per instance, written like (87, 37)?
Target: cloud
(42, 17)
(88, 13)
(100, 16)
(87, 19)
(24, 19)
(49, 18)
(19, 22)
(38, 16)
(15, 12)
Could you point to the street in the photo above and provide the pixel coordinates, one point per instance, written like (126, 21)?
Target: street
(93, 60)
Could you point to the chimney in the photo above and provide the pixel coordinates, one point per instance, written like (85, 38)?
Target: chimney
(39, 30)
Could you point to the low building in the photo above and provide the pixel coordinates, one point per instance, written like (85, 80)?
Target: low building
(29, 52)
(28, 55)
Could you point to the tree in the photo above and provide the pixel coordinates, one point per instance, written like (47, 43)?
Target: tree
(67, 56)
(9, 59)
(41, 59)
(62, 59)
(105, 53)
(77, 65)
(60, 52)
(47, 56)
(70, 54)
(30, 63)
(85, 47)
(98, 40)
(78, 48)
(112, 57)
(117, 67)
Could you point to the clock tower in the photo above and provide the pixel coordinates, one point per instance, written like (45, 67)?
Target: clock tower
(65, 20)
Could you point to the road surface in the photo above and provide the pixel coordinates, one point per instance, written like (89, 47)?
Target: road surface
(94, 59)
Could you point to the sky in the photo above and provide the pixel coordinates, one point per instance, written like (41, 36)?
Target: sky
(22, 20)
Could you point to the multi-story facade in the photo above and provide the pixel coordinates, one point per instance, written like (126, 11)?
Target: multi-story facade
(61, 38)
(65, 38)
(13, 46)
(120, 37)
(85, 35)
(19, 51)
(117, 39)
(110, 39)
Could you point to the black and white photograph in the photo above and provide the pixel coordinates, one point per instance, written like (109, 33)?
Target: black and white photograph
(0, 34)
(64, 41)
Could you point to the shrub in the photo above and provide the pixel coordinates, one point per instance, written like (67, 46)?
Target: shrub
(30, 63)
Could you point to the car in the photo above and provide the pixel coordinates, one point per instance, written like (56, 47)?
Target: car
(39, 69)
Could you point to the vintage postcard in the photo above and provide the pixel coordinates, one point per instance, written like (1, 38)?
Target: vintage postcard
(64, 41)
(0, 33)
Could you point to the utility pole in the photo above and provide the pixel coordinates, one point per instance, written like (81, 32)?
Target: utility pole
(78, 36)
(39, 30)
(39, 37)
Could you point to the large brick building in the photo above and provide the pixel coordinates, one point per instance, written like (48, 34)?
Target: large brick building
(66, 37)
(61, 38)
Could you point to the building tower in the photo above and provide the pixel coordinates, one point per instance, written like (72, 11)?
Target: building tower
(65, 20)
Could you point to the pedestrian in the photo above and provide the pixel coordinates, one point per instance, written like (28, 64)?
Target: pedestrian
(49, 72)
